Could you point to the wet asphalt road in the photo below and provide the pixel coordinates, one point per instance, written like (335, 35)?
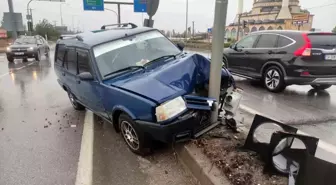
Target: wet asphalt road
(40, 137)
(311, 111)
(37, 143)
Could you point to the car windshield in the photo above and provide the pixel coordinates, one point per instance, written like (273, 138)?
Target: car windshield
(25, 41)
(135, 50)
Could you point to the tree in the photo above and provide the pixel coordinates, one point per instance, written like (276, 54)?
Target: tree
(46, 28)
(334, 30)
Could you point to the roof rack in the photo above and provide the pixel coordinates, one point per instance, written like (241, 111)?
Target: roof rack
(119, 25)
(71, 37)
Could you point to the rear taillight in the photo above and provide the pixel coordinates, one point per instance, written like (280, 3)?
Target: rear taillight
(305, 50)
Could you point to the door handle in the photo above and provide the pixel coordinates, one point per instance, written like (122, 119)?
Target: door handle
(270, 52)
(78, 81)
(63, 73)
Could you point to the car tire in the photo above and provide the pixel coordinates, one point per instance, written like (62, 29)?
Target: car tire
(74, 102)
(135, 139)
(321, 87)
(225, 62)
(10, 59)
(273, 79)
(38, 56)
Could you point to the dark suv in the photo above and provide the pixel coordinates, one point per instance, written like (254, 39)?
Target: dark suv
(281, 58)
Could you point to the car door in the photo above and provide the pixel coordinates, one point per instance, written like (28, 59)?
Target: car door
(70, 70)
(87, 89)
(265, 50)
(238, 55)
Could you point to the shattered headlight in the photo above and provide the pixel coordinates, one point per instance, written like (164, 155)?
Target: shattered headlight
(170, 109)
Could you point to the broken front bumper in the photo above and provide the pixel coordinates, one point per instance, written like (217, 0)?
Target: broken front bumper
(187, 126)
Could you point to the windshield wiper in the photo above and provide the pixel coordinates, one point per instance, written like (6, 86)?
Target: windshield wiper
(160, 58)
(125, 69)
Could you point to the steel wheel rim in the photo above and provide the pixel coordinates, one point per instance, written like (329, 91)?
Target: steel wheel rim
(72, 99)
(272, 79)
(130, 135)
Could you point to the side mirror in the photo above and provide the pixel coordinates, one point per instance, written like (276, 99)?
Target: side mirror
(180, 46)
(86, 76)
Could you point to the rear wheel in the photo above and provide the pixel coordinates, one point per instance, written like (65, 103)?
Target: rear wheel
(10, 59)
(75, 104)
(133, 136)
(321, 87)
(274, 79)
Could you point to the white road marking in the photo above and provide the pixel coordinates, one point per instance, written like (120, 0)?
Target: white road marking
(85, 163)
(3, 75)
(322, 144)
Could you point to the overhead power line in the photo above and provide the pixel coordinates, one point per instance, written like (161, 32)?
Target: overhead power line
(321, 6)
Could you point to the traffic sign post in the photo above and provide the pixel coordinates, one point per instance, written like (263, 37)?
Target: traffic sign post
(93, 5)
(140, 6)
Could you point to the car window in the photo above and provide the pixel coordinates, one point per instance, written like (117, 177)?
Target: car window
(283, 41)
(39, 41)
(60, 52)
(25, 40)
(83, 61)
(133, 51)
(71, 60)
(247, 42)
(267, 41)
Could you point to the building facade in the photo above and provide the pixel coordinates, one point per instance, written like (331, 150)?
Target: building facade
(270, 15)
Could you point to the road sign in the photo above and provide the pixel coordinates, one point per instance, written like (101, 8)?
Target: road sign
(93, 5)
(140, 5)
(3, 33)
(209, 30)
(300, 17)
(152, 6)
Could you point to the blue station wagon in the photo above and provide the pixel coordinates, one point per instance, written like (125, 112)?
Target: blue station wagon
(138, 80)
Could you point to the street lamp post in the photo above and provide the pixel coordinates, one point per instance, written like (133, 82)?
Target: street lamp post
(187, 9)
(61, 13)
(112, 11)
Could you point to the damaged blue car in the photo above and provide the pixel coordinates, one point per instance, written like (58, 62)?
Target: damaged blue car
(139, 81)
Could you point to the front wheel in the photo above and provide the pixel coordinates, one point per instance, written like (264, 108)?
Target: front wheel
(10, 59)
(38, 56)
(75, 104)
(134, 138)
(274, 79)
(321, 87)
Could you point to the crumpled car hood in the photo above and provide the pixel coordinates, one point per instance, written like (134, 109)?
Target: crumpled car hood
(169, 80)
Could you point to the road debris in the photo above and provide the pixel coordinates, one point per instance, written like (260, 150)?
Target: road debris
(45, 126)
(2, 129)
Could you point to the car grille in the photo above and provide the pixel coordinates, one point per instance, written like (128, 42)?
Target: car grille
(203, 119)
(19, 49)
(197, 102)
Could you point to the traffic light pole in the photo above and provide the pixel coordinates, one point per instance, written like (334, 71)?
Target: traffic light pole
(12, 17)
(237, 37)
(118, 4)
(217, 53)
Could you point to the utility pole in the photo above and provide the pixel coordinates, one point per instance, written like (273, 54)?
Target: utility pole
(217, 53)
(12, 17)
(118, 4)
(238, 31)
(61, 14)
(193, 29)
(187, 9)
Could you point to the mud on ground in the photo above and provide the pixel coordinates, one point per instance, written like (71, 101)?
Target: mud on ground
(241, 167)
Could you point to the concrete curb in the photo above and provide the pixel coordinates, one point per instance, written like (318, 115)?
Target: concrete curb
(200, 166)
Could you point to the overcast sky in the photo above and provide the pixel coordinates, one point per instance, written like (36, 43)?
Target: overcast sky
(170, 15)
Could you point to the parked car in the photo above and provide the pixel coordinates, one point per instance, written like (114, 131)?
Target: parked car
(282, 58)
(138, 80)
(28, 47)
